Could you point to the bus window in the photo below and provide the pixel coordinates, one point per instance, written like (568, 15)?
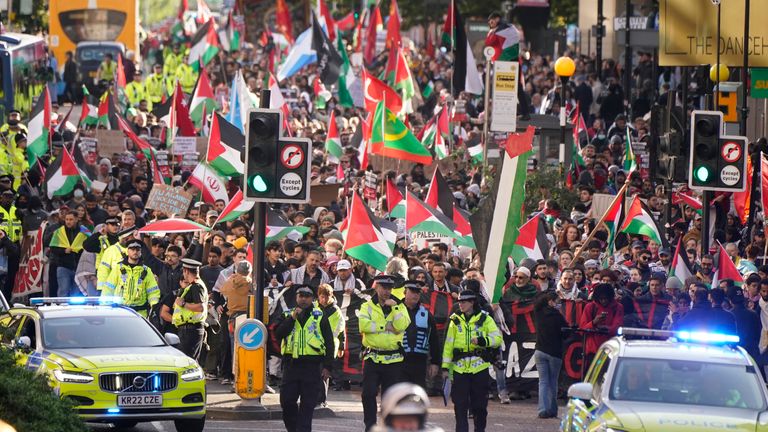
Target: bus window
(92, 24)
(96, 53)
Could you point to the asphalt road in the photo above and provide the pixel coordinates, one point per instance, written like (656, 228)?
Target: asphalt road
(518, 416)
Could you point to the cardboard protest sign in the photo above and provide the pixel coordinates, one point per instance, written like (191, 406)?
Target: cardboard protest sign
(169, 200)
(110, 142)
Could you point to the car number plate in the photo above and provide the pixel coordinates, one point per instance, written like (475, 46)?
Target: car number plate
(139, 400)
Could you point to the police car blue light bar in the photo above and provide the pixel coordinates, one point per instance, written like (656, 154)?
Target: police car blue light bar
(109, 300)
(706, 337)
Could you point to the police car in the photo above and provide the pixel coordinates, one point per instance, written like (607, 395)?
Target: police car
(652, 380)
(108, 360)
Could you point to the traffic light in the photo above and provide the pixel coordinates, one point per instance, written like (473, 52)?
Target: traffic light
(718, 162)
(263, 133)
(705, 143)
(277, 169)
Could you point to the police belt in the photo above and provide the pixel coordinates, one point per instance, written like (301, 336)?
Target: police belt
(384, 352)
(458, 354)
(190, 326)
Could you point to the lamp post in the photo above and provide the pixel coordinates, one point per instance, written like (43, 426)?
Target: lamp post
(564, 68)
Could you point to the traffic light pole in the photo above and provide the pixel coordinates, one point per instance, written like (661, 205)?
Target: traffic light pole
(706, 196)
(259, 217)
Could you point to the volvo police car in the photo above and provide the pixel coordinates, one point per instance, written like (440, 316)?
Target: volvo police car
(652, 380)
(108, 360)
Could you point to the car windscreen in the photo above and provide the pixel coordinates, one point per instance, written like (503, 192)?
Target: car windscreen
(98, 332)
(96, 53)
(687, 382)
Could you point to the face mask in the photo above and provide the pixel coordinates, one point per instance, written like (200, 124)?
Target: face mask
(13, 122)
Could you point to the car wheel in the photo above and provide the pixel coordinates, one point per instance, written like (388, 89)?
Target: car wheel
(190, 425)
(125, 424)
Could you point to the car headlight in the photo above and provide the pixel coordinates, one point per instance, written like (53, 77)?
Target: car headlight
(193, 374)
(72, 377)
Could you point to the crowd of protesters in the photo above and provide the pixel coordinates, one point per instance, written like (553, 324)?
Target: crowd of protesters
(632, 287)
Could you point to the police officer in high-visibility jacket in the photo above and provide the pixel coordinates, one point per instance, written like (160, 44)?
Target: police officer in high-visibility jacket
(421, 342)
(382, 323)
(155, 85)
(186, 76)
(307, 347)
(133, 282)
(471, 341)
(190, 309)
(135, 90)
(112, 256)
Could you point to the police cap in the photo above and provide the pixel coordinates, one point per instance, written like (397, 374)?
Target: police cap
(467, 295)
(305, 290)
(413, 285)
(191, 264)
(386, 281)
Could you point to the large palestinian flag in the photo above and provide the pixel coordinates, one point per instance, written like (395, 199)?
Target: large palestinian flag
(202, 100)
(680, 267)
(205, 45)
(726, 269)
(63, 175)
(39, 138)
(421, 217)
(439, 194)
(395, 201)
(278, 227)
(236, 207)
(463, 228)
(640, 221)
(365, 240)
(225, 147)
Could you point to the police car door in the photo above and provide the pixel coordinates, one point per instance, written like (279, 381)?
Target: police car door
(584, 412)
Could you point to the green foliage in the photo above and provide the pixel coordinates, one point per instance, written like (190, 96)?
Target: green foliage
(547, 183)
(28, 404)
(563, 12)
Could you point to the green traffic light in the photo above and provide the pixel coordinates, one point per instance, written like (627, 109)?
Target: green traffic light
(258, 184)
(702, 174)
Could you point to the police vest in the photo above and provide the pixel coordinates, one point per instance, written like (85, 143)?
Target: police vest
(107, 71)
(136, 286)
(306, 340)
(419, 326)
(182, 315)
(135, 92)
(155, 86)
(187, 77)
(10, 223)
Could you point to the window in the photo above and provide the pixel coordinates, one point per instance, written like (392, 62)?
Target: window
(688, 383)
(9, 332)
(28, 329)
(99, 332)
(599, 369)
(92, 24)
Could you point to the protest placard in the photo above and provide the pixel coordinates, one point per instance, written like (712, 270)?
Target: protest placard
(169, 200)
(110, 142)
(323, 194)
(88, 148)
(184, 145)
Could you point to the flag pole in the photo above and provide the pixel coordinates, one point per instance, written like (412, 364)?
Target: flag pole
(485, 111)
(602, 220)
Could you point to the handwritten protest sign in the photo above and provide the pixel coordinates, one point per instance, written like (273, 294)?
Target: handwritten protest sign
(169, 200)
(110, 142)
(184, 145)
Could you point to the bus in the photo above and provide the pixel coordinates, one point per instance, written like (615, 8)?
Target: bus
(23, 72)
(75, 21)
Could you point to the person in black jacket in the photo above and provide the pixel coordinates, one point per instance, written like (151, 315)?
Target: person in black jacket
(748, 323)
(549, 350)
(71, 79)
(421, 341)
(703, 317)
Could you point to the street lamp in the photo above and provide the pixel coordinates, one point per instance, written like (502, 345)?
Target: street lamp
(564, 68)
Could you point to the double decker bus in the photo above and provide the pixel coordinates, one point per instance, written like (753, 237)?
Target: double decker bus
(75, 21)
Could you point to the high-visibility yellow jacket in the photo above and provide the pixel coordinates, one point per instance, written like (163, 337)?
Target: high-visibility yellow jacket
(136, 92)
(135, 285)
(110, 259)
(382, 345)
(460, 354)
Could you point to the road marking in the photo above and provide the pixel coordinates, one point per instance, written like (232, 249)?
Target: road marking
(159, 426)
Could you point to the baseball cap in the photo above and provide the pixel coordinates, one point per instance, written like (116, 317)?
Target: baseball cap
(343, 265)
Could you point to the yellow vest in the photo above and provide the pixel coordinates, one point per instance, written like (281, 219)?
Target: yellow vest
(107, 71)
(306, 340)
(459, 337)
(136, 286)
(384, 346)
(182, 315)
(10, 223)
(171, 62)
(155, 88)
(19, 164)
(110, 259)
(187, 77)
(135, 92)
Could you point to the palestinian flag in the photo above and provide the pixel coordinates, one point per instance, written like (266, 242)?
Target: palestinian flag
(680, 267)
(640, 221)
(506, 222)
(205, 46)
(398, 73)
(449, 27)
(465, 74)
(375, 24)
(346, 77)
(519, 143)
(439, 194)
(435, 134)
(333, 141)
(421, 217)
(146, 149)
(742, 200)
(207, 180)
(107, 116)
(202, 100)
(726, 269)
(360, 140)
(390, 137)
(531, 241)
(236, 207)
(365, 240)
(395, 201)
(278, 227)
(63, 175)
(630, 162)
(505, 40)
(475, 151)
(375, 91)
(612, 221)
(39, 135)
(89, 111)
(225, 147)
(428, 89)
(463, 228)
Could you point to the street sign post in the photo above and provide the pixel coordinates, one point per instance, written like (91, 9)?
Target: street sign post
(250, 359)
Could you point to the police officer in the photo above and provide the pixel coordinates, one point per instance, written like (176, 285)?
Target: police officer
(186, 76)
(14, 125)
(18, 158)
(472, 335)
(172, 60)
(133, 282)
(382, 323)
(307, 347)
(112, 256)
(421, 341)
(10, 222)
(404, 407)
(107, 69)
(135, 90)
(155, 85)
(190, 309)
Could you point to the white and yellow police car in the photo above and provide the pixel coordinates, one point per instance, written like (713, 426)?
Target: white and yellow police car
(653, 380)
(108, 360)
